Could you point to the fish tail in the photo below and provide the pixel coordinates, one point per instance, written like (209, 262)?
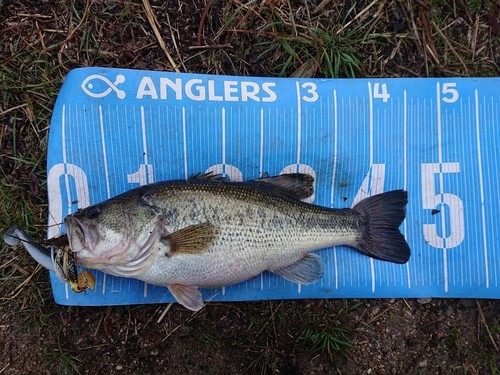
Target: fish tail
(380, 217)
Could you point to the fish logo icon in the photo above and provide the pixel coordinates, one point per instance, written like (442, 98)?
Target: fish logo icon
(98, 86)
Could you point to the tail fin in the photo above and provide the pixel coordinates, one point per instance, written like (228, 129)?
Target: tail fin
(380, 216)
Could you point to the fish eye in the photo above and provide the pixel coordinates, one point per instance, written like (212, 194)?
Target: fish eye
(92, 212)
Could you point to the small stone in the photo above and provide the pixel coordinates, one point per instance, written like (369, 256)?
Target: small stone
(424, 301)
(119, 367)
(422, 363)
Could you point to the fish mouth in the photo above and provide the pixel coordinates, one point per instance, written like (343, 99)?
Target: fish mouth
(80, 235)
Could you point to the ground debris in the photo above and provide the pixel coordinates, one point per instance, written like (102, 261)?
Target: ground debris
(41, 41)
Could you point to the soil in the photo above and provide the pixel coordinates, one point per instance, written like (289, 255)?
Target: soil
(387, 337)
(390, 336)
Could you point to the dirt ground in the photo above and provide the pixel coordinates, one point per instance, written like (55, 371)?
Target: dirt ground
(40, 41)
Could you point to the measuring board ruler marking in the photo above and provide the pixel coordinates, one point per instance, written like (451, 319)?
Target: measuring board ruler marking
(115, 129)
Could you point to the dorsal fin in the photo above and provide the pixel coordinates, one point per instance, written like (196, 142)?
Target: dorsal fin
(208, 176)
(295, 186)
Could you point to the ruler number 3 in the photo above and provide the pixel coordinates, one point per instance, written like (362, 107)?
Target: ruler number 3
(448, 89)
(312, 94)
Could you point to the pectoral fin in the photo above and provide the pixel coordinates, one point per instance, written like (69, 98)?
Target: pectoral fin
(187, 295)
(193, 239)
(304, 271)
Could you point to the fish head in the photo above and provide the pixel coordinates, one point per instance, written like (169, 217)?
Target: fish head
(113, 233)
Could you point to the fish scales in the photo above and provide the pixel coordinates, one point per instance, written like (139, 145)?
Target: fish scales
(253, 236)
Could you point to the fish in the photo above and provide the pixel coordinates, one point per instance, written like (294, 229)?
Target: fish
(206, 232)
(56, 256)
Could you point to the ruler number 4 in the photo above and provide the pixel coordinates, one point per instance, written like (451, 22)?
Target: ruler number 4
(379, 93)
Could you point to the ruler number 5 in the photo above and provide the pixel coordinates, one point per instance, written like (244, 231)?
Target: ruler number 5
(453, 235)
(449, 90)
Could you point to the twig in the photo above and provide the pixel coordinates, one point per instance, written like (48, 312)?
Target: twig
(474, 38)
(202, 20)
(432, 53)
(98, 326)
(271, 318)
(410, 21)
(3, 368)
(406, 302)
(7, 263)
(450, 47)
(292, 19)
(164, 313)
(72, 33)
(175, 43)
(379, 15)
(274, 34)
(483, 320)
(380, 314)
(180, 325)
(366, 9)
(128, 325)
(13, 109)
(428, 37)
(423, 4)
(211, 46)
(151, 317)
(154, 25)
(35, 16)
(42, 42)
(320, 7)
(249, 9)
(21, 286)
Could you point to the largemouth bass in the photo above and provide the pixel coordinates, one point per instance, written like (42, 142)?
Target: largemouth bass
(208, 232)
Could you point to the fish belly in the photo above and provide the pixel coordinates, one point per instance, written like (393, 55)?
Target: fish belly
(241, 253)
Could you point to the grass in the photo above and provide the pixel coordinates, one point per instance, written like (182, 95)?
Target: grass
(493, 357)
(494, 367)
(61, 363)
(301, 44)
(39, 44)
(455, 341)
(28, 85)
(266, 361)
(329, 332)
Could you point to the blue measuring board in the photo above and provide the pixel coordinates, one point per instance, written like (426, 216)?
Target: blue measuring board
(116, 129)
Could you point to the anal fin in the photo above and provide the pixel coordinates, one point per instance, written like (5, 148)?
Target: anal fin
(304, 271)
(188, 296)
